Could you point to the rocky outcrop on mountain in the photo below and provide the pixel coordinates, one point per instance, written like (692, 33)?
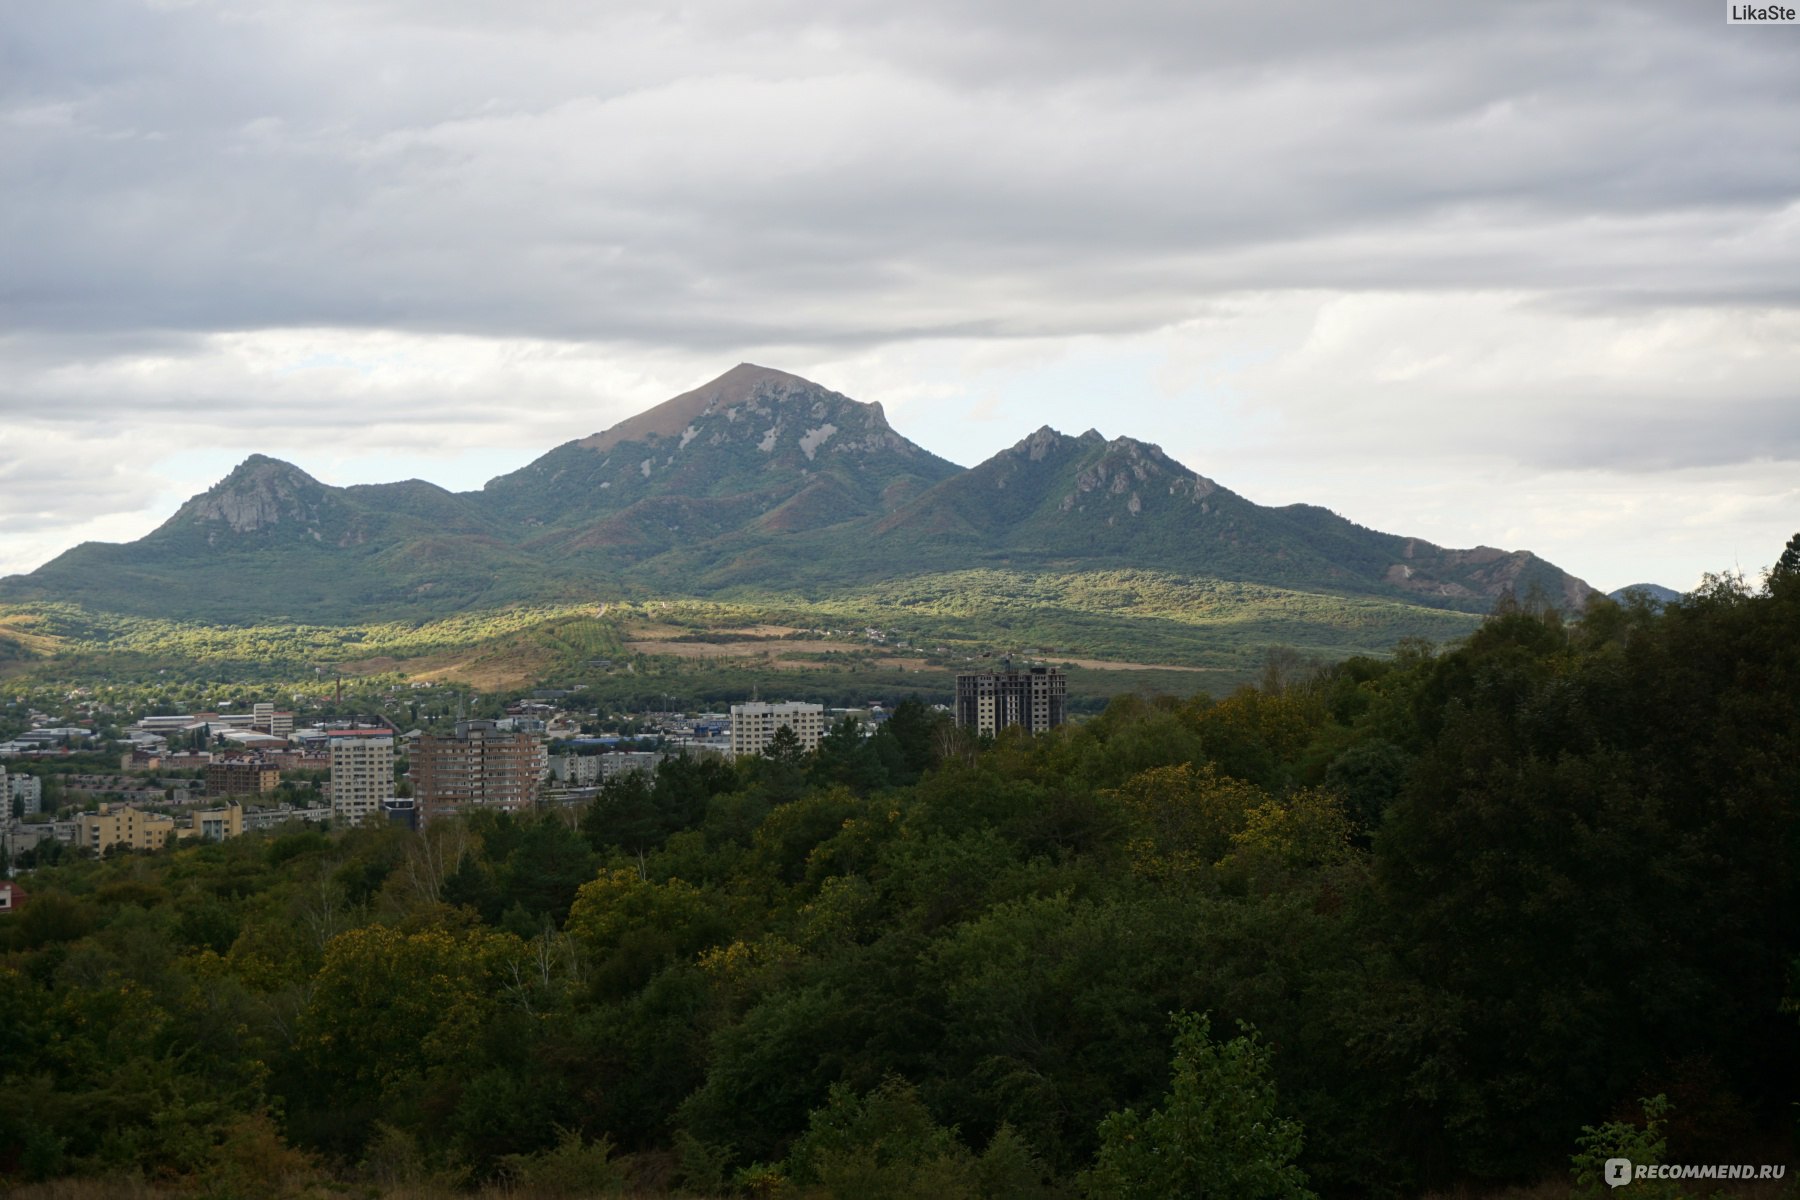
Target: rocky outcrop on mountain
(261, 493)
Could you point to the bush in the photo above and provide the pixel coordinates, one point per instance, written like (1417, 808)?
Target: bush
(1217, 1133)
(1640, 1144)
(574, 1168)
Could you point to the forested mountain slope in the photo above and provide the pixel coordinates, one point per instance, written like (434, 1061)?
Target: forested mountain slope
(758, 480)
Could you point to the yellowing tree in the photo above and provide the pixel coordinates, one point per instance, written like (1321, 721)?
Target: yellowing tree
(630, 927)
(1185, 818)
(388, 1004)
(1302, 831)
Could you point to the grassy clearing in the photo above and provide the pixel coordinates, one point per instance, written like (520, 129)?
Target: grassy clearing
(1116, 625)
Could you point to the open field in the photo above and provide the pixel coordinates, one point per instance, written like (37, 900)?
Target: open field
(1119, 631)
(748, 648)
(1095, 664)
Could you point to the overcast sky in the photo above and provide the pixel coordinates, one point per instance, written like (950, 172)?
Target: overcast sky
(1520, 274)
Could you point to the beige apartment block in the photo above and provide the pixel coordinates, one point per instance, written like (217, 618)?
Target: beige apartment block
(362, 775)
(122, 825)
(753, 725)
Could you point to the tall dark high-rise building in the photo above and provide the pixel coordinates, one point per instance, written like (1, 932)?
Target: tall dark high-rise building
(1035, 699)
(478, 766)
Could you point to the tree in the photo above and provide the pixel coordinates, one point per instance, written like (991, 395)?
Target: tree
(781, 768)
(914, 729)
(882, 1144)
(387, 1008)
(1217, 1133)
(1369, 775)
(887, 1143)
(1553, 864)
(845, 756)
(1785, 573)
(632, 928)
(1184, 820)
(1294, 835)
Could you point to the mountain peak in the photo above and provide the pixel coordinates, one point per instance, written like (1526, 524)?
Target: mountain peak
(745, 384)
(1653, 594)
(260, 492)
(1047, 440)
(1129, 445)
(755, 444)
(1040, 443)
(262, 466)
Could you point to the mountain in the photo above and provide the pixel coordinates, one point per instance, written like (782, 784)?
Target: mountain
(1656, 593)
(1055, 499)
(1056, 502)
(757, 480)
(755, 448)
(270, 540)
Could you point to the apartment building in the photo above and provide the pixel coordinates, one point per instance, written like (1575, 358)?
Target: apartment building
(477, 766)
(27, 791)
(362, 773)
(122, 825)
(1035, 699)
(241, 777)
(275, 818)
(753, 725)
(576, 770)
(150, 759)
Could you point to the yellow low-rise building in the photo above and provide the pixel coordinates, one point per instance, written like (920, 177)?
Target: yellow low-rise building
(215, 824)
(122, 825)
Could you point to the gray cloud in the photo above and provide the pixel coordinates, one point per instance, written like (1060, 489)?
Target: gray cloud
(51, 484)
(864, 172)
(652, 188)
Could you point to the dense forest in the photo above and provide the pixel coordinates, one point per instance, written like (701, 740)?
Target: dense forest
(1439, 920)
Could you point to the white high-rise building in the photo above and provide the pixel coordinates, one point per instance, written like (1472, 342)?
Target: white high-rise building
(27, 789)
(753, 725)
(362, 774)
